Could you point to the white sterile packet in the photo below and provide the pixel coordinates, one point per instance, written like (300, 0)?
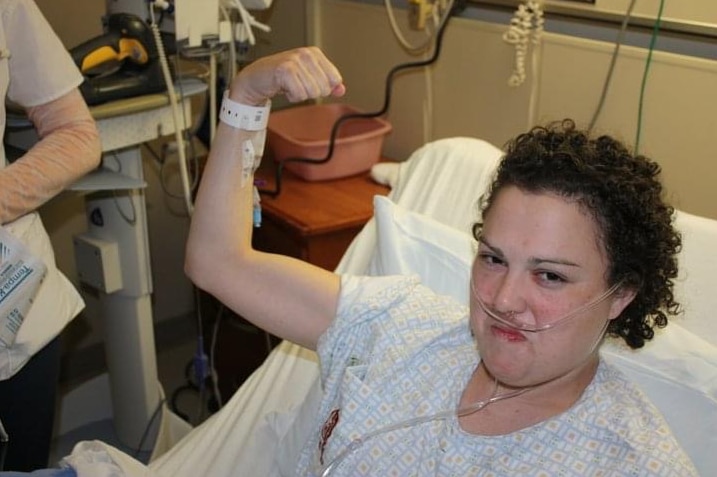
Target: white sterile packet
(21, 274)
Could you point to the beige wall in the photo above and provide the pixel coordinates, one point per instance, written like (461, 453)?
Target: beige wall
(678, 128)
(692, 11)
(74, 21)
(466, 92)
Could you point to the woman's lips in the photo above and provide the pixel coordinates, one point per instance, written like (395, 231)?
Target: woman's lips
(508, 334)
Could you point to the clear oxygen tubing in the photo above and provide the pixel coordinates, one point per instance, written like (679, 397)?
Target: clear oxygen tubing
(477, 406)
(508, 319)
(178, 125)
(461, 411)
(465, 410)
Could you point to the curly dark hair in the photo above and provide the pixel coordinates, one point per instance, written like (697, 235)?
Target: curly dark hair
(622, 192)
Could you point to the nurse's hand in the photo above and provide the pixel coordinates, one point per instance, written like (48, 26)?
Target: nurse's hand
(299, 74)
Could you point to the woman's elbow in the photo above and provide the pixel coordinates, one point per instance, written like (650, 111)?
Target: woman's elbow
(208, 266)
(84, 130)
(80, 142)
(87, 135)
(193, 266)
(94, 148)
(201, 264)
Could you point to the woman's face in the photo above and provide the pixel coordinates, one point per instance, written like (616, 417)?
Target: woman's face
(539, 258)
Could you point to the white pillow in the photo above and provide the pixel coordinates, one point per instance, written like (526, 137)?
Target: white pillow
(677, 370)
(410, 243)
(695, 286)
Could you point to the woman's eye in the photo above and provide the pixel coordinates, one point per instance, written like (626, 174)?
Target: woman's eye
(490, 259)
(551, 277)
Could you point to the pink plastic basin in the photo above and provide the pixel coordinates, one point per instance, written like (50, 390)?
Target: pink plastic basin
(304, 131)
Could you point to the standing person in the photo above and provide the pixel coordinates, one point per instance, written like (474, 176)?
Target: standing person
(38, 74)
(576, 243)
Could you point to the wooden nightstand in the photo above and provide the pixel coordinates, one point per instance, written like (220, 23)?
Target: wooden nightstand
(314, 221)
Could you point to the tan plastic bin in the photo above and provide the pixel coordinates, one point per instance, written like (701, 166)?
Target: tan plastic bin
(304, 131)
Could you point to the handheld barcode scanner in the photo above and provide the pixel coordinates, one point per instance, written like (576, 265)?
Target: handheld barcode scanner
(121, 63)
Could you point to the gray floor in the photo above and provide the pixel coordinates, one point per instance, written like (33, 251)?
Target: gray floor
(173, 355)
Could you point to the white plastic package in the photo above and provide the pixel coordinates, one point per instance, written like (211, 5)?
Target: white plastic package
(21, 274)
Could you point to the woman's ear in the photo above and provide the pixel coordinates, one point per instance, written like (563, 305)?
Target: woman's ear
(622, 297)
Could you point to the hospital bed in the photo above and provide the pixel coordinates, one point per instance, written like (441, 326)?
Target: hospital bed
(422, 228)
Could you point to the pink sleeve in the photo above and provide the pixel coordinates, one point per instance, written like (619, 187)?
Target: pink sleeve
(69, 147)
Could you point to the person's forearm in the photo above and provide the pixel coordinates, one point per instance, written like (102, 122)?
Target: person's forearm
(68, 148)
(220, 231)
(222, 222)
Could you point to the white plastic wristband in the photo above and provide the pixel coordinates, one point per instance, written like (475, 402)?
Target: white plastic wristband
(241, 116)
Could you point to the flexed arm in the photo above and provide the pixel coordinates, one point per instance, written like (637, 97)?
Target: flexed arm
(287, 297)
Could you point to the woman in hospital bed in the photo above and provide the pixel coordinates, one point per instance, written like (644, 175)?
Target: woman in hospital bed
(575, 243)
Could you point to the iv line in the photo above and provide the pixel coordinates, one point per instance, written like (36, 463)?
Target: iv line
(461, 411)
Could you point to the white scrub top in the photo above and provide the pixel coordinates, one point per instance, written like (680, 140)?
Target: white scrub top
(35, 68)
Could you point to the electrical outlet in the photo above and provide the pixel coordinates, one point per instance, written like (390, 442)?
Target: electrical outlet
(98, 263)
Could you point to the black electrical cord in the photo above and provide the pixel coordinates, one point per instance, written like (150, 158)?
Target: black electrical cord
(4, 444)
(200, 369)
(157, 412)
(457, 8)
(3, 452)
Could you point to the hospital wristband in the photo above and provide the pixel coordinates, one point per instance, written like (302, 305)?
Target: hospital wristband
(241, 116)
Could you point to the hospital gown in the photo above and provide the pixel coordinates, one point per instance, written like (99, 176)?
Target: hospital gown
(397, 351)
